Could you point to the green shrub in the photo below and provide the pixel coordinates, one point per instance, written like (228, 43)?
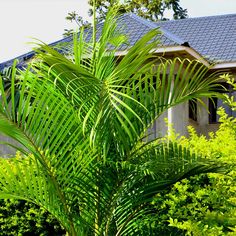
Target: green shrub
(18, 217)
(205, 204)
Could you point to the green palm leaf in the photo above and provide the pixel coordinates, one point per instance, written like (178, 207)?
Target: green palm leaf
(80, 121)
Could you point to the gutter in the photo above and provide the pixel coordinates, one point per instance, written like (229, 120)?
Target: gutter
(224, 65)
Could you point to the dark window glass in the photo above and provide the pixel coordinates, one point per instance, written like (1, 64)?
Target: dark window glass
(192, 109)
(216, 103)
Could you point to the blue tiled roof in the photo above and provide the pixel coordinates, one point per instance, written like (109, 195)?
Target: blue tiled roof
(138, 27)
(213, 37)
(25, 57)
(21, 60)
(134, 27)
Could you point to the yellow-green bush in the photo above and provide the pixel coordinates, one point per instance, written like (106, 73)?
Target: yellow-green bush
(206, 204)
(18, 217)
(200, 206)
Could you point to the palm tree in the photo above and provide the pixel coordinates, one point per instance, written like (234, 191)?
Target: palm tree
(82, 122)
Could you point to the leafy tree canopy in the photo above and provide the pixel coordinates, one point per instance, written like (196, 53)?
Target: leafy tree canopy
(150, 9)
(73, 16)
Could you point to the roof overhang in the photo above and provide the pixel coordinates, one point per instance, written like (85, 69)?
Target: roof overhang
(183, 49)
(225, 65)
(175, 49)
(191, 54)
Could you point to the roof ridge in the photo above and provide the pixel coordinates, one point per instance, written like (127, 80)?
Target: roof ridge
(152, 25)
(198, 17)
(173, 37)
(144, 21)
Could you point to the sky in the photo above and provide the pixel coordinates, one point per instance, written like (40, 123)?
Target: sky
(23, 20)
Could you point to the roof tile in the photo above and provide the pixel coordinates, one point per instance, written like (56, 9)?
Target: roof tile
(217, 34)
(214, 37)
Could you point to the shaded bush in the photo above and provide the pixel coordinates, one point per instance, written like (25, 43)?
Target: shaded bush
(18, 217)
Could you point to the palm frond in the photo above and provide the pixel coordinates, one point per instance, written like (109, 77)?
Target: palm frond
(80, 122)
(153, 169)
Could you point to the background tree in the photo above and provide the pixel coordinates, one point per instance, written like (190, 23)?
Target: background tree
(150, 9)
(74, 17)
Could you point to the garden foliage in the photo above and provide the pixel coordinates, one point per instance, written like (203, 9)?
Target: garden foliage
(203, 205)
(22, 218)
(200, 206)
(80, 122)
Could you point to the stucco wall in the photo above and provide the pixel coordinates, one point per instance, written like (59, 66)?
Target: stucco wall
(177, 115)
(5, 150)
(159, 128)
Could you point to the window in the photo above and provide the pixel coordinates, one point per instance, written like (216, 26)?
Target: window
(216, 103)
(192, 109)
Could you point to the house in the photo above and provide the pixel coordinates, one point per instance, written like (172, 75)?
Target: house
(211, 40)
